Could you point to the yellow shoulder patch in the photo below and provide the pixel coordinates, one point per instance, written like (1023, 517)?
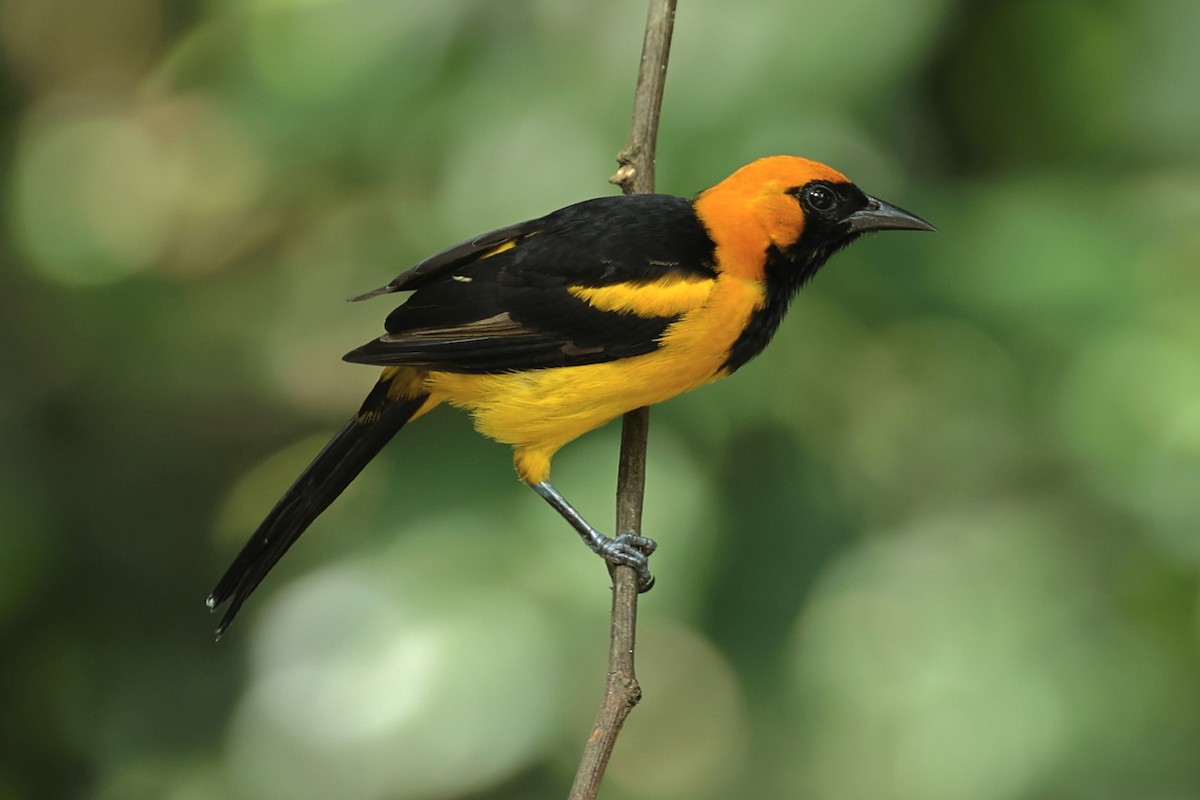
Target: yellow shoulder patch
(665, 297)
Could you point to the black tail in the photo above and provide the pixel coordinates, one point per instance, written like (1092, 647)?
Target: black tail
(319, 485)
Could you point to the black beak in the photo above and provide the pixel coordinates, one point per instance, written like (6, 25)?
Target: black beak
(881, 216)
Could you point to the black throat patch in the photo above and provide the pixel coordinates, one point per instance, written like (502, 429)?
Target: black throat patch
(786, 273)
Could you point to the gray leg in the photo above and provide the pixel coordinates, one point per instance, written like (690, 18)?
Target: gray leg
(627, 549)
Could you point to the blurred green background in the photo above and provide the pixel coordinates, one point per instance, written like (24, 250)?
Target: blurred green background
(940, 541)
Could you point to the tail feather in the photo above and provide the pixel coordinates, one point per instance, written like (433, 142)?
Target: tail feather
(338, 463)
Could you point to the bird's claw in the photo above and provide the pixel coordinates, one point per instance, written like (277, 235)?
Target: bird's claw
(632, 551)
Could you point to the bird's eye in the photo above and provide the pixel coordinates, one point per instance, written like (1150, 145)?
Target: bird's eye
(820, 198)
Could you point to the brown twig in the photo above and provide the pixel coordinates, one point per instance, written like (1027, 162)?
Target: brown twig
(635, 174)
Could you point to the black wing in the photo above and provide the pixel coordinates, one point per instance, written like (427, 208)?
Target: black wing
(503, 300)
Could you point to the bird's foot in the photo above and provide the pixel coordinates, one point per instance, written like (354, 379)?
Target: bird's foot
(628, 549)
(632, 551)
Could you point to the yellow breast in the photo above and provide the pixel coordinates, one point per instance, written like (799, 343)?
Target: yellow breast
(538, 411)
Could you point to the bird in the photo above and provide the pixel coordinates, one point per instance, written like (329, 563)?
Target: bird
(549, 328)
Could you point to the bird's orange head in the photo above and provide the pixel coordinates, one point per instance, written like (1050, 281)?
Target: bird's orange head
(775, 222)
(793, 210)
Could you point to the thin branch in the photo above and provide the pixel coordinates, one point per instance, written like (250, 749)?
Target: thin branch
(635, 174)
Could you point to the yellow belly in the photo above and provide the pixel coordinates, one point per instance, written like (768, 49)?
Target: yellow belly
(538, 411)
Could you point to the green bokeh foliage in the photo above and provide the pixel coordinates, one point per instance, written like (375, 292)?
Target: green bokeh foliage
(940, 541)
